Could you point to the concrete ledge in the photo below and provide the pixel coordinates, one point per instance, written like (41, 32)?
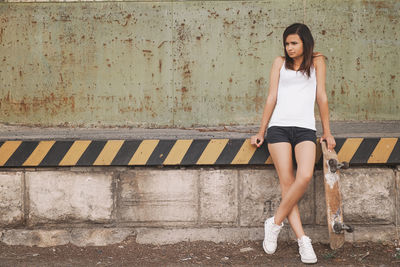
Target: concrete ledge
(40, 238)
(162, 236)
(99, 236)
(59, 237)
(170, 236)
(386, 128)
(373, 234)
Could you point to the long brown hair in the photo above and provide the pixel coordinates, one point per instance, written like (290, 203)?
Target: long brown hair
(308, 47)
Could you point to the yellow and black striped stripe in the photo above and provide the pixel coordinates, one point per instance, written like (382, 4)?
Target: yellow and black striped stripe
(17, 153)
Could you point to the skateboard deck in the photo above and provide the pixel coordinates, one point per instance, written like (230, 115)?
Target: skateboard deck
(334, 207)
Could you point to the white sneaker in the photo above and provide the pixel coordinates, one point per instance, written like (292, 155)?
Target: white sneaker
(271, 231)
(306, 250)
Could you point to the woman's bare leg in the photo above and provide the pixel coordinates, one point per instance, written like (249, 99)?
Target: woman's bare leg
(305, 155)
(281, 154)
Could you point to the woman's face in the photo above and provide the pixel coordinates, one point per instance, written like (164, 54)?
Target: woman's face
(294, 46)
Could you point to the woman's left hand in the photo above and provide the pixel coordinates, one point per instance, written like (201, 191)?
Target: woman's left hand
(330, 141)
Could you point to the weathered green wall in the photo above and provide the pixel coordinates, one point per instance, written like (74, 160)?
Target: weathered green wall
(185, 63)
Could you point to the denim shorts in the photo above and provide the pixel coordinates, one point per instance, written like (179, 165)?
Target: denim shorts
(292, 135)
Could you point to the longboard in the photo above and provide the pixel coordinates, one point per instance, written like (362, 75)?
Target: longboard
(334, 207)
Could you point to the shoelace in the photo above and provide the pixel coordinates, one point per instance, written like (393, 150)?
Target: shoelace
(306, 246)
(272, 234)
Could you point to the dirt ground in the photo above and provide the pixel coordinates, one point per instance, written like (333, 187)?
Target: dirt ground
(249, 253)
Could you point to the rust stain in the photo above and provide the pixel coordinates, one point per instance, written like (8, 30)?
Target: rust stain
(228, 23)
(1, 35)
(392, 77)
(51, 104)
(130, 109)
(213, 14)
(323, 32)
(161, 44)
(186, 71)
(120, 18)
(376, 94)
(128, 17)
(4, 19)
(146, 51)
(378, 4)
(183, 34)
(61, 17)
(187, 108)
(371, 55)
(185, 104)
(159, 65)
(259, 99)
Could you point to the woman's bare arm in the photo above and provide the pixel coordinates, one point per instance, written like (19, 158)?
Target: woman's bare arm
(258, 139)
(322, 101)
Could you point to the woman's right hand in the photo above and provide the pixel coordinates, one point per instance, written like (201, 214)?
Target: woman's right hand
(257, 140)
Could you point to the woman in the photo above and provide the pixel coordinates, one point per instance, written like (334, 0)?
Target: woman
(296, 80)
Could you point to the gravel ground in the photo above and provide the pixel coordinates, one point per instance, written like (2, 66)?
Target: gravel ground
(249, 253)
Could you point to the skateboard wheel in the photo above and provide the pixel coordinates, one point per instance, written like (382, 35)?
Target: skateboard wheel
(337, 227)
(345, 165)
(349, 228)
(333, 165)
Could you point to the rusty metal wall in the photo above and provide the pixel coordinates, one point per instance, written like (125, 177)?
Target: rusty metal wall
(187, 63)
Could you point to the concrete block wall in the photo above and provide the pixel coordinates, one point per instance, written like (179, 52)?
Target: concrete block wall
(96, 206)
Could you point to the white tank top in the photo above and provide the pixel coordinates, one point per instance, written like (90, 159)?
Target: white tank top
(296, 99)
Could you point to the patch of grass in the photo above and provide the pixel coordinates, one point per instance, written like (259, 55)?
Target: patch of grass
(330, 255)
(397, 254)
